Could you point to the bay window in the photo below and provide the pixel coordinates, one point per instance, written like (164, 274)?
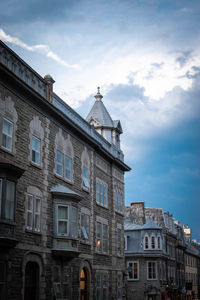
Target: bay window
(7, 199)
(66, 221)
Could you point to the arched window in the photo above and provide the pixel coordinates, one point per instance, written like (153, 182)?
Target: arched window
(153, 242)
(146, 242)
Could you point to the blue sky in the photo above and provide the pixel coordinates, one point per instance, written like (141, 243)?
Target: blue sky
(145, 56)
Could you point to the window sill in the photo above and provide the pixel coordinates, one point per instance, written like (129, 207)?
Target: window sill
(64, 179)
(85, 242)
(35, 165)
(100, 253)
(34, 232)
(7, 151)
(154, 279)
(65, 237)
(9, 222)
(87, 190)
(137, 279)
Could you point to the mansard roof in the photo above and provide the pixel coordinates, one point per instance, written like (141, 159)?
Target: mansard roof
(150, 225)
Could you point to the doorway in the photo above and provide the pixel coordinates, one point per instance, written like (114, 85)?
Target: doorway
(31, 289)
(84, 284)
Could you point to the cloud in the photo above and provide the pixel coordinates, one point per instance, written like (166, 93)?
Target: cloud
(184, 57)
(43, 49)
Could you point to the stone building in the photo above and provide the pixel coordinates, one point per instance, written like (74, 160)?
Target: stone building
(61, 192)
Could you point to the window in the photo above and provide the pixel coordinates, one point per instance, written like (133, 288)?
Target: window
(119, 245)
(102, 238)
(146, 242)
(133, 270)
(119, 205)
(102, 286)
(35, 150)
(85, 176)
(33, 213)
(153, 242)
(7, 134)
(7, 199)
(101, 193)
(59, 163)
(66, 222)
(159, 244)
(63, 164)
(63, 220)
(85, 226)
(151, 271)
(68, 168)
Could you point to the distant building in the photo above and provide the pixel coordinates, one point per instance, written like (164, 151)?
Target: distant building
(61, 193)
(176, 264)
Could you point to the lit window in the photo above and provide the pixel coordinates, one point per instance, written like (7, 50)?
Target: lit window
(133, 270)
(85, 226)
(33, 213)
(85, 175)
(102, 238)
(68, 168)
(151, 270)
(36, 150)
(101, 193)
(7, 134)
(59, 163)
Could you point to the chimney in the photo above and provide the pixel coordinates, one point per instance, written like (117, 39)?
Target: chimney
(49, 80)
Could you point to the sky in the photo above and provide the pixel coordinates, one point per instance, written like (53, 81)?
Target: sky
(145, 56)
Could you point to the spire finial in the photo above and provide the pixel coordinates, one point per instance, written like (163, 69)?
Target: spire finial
(98, 95)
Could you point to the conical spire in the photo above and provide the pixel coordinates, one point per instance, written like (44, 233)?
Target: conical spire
(99, 112)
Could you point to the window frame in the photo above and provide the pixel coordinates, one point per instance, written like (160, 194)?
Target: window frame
(67, 169)
(33, 212)
(100, 236)
(119, 201)
(133, 262)
(35, 150)
(85, 223)
(102, 285)
(149, 263)
(4, 202)
(85, 179)
(62, 220)
(58, 163)
(146, 238)
(10, 137)
(101, 193)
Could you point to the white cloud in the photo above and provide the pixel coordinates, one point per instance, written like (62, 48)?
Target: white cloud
(44, 49)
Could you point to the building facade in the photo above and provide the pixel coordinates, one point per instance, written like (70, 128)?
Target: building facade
(61, 193)
(175, 264)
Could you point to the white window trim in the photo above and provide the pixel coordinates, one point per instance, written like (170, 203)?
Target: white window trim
(155, 246)
(138, 270)
(159, 236)
(33, 228)
(146, 235)
(101, 183)
(57, 220)
(58, 163)
(65, 167)
(155, 270)
(11, 137)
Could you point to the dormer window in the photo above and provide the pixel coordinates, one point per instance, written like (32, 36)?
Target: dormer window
(153, 242)
(146, 242)
(159, 242)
